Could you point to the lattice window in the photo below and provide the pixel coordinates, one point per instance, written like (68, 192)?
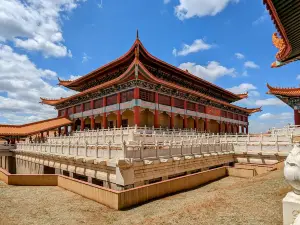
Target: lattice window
(127, 96)
(190, 106)
(201, 108)
(70, 110)
(234, 116)
(98, 103)
(223, 113)
(178, 103)
(87, 106)
(164, 99)
(78, 108)
(147, 96)
(111, 100)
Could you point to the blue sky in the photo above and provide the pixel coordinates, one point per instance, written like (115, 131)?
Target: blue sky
(227, 42)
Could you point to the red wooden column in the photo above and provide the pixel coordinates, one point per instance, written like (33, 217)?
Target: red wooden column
(92, 104)
(73, 112)
(92, 122)
(59, 131)
(66, 130)
(156, 113)
(82, 124)
(185, 122)
(196, 118)
(66, 113)
(246, 129)
(82, 107)
(136, 110)
(104, 120)
(296, 117)
(119, 116)
(220, 127)
(92, 117)
(206, 122)
(47, 133)
(172, 124)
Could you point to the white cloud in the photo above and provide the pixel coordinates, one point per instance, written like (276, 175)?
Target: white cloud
(74, 77)
(269, 102)
(199, 8)
(281, 116)
(261, 19)
(239, 55)
(251, 65)
(22, 91)
(298, 77)
(211, 72)
(85, 58)
(245, 73)
(35, 25)
(242, 88)
(100, 5)
(196, 46)
(166, 1)
(253, 94)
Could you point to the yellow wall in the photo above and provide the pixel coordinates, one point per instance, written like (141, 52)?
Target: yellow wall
(112, 117)
(178, 122)
(128, 115)
(213, 126)
(146, 118)
(201, 124)
(164, 120)
(191, 123)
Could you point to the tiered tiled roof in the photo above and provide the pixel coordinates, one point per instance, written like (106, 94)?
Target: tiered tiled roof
(286, 19)
(130, 56)
(286, 92)
(243, 95)
(129, 71)
(33, 128)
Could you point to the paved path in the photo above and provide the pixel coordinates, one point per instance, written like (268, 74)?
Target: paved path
(227, 201)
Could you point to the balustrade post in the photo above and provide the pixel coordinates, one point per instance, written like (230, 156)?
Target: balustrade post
(170, 149)
(61, 147)
(141, 147)
(260, 146)
(122, 136)
(97, 150)
(124, 149)
(181, 148)
(86, 149)
(156, 149)
(77, 153)
(104, 136)
(144, 136)
(69, 148)
(109, 149)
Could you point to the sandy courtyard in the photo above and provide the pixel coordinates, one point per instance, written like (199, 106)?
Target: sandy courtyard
(230, 200)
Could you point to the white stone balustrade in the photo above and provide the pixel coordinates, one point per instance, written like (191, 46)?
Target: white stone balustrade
(141, 143)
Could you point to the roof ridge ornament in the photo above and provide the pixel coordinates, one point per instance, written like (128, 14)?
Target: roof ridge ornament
(137, 34)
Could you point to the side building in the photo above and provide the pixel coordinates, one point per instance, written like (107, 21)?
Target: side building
(139, 89)
(290, 96)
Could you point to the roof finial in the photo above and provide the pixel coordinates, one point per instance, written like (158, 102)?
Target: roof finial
(137, 33)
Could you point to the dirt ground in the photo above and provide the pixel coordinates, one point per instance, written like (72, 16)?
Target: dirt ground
(230, 200)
